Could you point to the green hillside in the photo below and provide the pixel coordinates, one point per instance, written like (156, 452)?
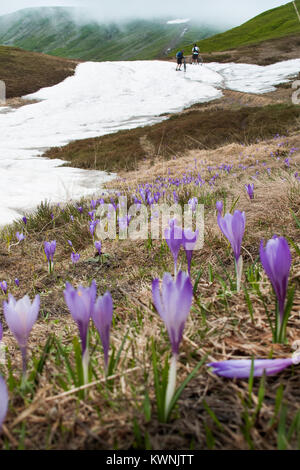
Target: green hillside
(276, 23)
(57, 31)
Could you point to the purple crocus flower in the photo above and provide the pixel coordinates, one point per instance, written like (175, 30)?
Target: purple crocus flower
(17, 282)
(3, 287)
(20, 236)
(20, 316)
(233, 227)
(50, 248)
(81, 303)
(189, 241)
(102, 317)
(193, 203)
(3, 400)
(98, 246)
(75, 257)
(173, 305)
(124, 222)
(24, 220)
(80, 209)
(241, 369)
(276, 260)
(92, 227)
(70, 243)
(219, 207)
(1, 331)
(250, 190)
(174, 239)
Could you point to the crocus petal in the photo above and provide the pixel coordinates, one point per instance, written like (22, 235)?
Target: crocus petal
(276, 260)
(3, 400)
(173, 305)
(233, 227)
(20, 316)
(81, 304)
(241, 369)
(102, 317)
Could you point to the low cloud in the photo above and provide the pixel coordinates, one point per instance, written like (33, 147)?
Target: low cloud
(217, 12)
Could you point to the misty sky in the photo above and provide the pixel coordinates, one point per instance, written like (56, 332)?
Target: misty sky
(226, 12)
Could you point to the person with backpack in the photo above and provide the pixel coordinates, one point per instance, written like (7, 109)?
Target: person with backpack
(195, 52)
(179, 57)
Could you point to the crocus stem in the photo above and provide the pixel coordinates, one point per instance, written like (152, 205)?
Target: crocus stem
(85, 366)
(239, 272)
(24, 364)
(171, 385)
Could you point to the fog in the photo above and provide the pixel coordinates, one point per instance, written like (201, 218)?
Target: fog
(217, 12)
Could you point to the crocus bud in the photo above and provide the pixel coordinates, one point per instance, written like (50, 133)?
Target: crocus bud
(250, 190)
(102, 317)
(219, 207)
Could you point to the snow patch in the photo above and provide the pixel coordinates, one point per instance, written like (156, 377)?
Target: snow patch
(179, 21)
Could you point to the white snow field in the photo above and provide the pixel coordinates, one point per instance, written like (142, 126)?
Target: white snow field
(99, 99)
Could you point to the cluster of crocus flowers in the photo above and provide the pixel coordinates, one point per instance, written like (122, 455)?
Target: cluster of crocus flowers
(176, 237)
(49, 248)
(276, 260)
(233, 227)
(173, 304)
(20, 317)
(83, 305)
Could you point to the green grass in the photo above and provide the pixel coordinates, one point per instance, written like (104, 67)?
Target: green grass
(276, 23)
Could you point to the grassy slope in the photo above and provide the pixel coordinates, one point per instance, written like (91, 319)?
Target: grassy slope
(275, 23)
(180, 133)
(26, 72)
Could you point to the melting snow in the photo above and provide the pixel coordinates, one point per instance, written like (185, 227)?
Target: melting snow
(178, 21)
(99, 99)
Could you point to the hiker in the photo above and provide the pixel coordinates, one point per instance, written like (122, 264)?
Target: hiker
(195, 52)
(179, 57)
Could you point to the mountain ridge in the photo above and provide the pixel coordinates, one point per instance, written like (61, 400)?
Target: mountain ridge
(59, 31)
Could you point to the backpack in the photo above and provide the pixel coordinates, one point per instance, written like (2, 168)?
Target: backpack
(179, 55)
